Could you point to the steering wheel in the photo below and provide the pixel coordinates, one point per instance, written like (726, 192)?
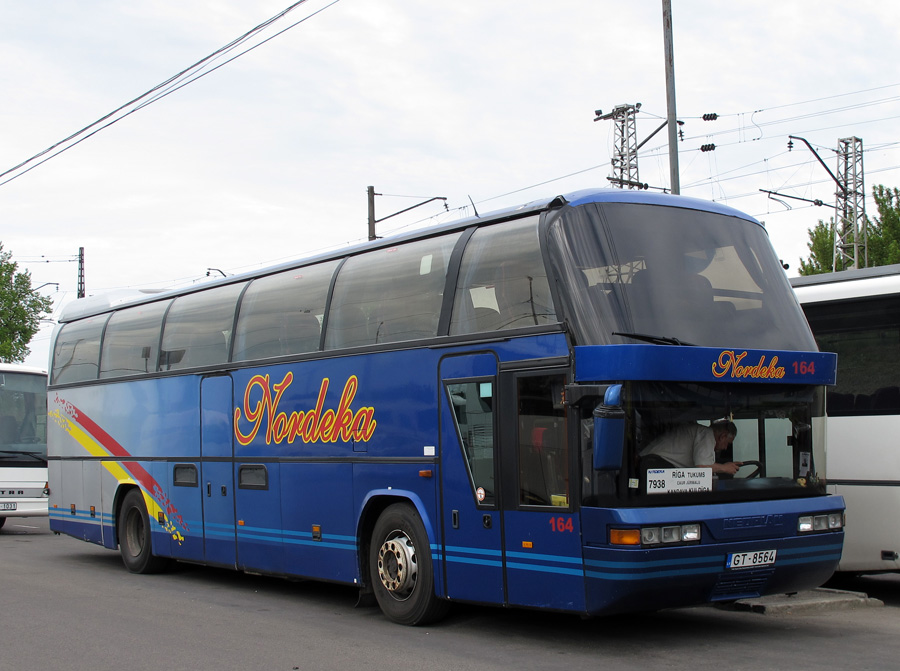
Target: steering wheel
(754, 474)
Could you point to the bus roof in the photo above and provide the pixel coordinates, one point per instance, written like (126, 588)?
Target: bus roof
(102, 303)
(20, 368)
(848, 284)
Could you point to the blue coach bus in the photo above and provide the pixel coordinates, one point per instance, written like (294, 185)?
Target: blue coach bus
(458, 415)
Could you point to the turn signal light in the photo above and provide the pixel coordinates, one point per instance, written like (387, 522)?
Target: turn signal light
(625, 536)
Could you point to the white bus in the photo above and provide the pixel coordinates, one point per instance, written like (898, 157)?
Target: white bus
(23, 442)
(856, 313)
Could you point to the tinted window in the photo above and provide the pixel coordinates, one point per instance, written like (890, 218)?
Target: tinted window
(390, 294)
(76, 354)
(282, 314)
(198, 328)
(502, 281)
(473, 410)
(184, 475)
(543, 446)
(131, 343)
(23, 419)
(865, 334)
(701, 277)
(253, 476)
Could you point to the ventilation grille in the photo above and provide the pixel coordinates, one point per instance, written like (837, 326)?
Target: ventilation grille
(741, 584)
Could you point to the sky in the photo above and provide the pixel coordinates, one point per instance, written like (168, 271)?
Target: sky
(267, 157)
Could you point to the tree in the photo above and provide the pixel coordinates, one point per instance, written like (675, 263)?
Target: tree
(883, 236)
(21, 309)
(821, 249)
(884, 232)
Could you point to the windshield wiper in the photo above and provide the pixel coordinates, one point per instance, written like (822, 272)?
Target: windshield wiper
(656, 340)
(39, 456)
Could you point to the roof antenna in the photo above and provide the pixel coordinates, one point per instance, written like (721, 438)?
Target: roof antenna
(473, 207)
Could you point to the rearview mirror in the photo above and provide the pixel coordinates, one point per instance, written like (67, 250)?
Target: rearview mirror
(609, 430)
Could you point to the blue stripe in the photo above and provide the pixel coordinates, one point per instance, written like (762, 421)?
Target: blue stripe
(813, 548)
(472, 560)
(310, 542)
(653, 574)
(545, 569)
(708, 559)
(815, 554)
(562, 559)
(83, 516)
(639, 564)
(809, 560)
(474, 551)
(275, 536)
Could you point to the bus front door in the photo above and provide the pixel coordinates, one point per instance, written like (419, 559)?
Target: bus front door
(217, 471)
(541, 524)
(471, 518)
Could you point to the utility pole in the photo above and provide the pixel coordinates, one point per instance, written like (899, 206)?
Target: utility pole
(671, 117)
(850, 234)
(624, 160)
(370, 192)
(81, 292)
(625, 157)
(850, 229)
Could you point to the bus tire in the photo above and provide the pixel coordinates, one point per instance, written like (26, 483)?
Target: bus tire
(135, 545)
(401, 570)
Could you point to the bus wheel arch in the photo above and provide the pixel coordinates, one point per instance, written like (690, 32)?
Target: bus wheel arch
(133, 533)
(400, 567)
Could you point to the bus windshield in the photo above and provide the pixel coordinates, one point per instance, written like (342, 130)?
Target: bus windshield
(773, 442)
(673, 274)
(23, 420)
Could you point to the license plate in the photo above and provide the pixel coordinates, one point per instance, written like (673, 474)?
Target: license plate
(7, 506)
(750, 559)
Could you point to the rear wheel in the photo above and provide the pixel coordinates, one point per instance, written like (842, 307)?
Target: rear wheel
(134, 536)
(401, 569)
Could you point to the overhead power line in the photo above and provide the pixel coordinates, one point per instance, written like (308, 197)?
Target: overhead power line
(187, 76)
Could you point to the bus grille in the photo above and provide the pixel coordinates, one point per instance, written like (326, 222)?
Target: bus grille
(740, 585)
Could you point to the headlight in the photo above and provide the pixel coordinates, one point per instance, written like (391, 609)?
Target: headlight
(826, 522)
(674, 534)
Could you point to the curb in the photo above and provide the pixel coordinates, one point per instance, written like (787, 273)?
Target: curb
(817, 600)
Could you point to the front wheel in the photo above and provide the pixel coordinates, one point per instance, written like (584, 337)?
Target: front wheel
(401, 570)
(134, 536)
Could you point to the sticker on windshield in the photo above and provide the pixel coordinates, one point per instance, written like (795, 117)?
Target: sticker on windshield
(675, 480)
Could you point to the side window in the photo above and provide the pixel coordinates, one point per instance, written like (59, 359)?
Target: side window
(198, 327)
(543, 449)
(282, 314)
(502, 281)
(185, 475)
(390, 294)
(253, 476)
(865, 334)
(473, 410)
(131, 343)
(76, 353)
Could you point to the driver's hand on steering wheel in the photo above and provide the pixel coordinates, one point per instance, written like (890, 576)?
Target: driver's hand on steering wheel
(731, 467)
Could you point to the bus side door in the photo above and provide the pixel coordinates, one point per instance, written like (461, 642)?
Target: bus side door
(217, 470)
(543, 554)
(471, 520)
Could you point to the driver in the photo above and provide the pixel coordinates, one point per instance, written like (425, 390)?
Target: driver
(692, 445)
